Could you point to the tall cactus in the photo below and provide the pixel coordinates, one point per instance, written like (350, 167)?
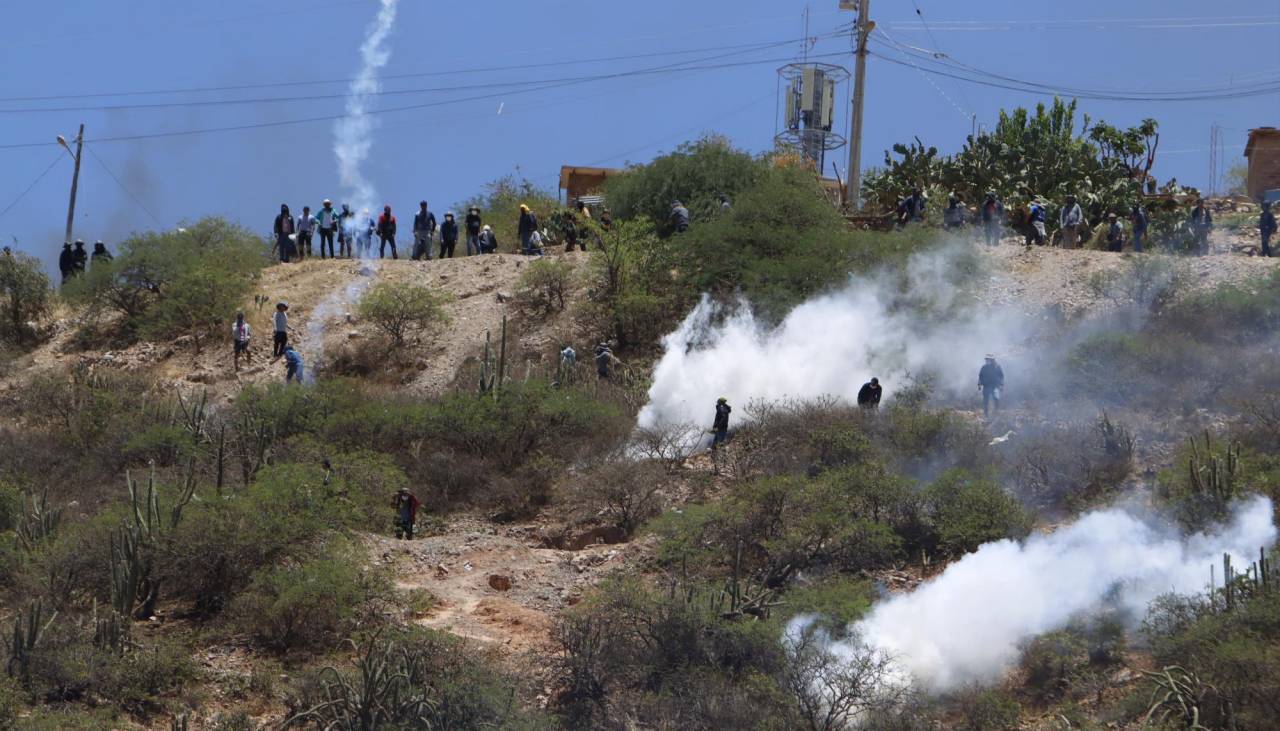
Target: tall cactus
(28, 629)
(133, 546)
(39, 522)
(491, 382)
(1213, 478)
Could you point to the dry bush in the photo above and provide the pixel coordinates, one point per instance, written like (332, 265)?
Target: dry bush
(1074, 465)
(625, 492)
(544, 285)
(668, 444)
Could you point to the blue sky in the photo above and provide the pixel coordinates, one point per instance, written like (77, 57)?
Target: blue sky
(446, 152)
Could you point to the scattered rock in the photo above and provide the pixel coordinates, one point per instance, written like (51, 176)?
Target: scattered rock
(353, 335)
(505, 296)
(499, 582)
(441, 571)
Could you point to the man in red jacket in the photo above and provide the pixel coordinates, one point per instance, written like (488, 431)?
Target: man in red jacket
(387, 232)
(406, 505)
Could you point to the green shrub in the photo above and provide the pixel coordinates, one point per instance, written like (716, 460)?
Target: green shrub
(10, 703)
(400, 310)
(499, 206)
(10, 506)
(964, 512)
(1052, 662)
(311, 603)
(544, 284)
(625, 493)
(990, 710)
(25, 295)
(836, 601)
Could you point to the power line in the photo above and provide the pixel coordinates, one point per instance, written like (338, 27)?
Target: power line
(670, 68)
(935, 43)
(124, 187)
(35, 182)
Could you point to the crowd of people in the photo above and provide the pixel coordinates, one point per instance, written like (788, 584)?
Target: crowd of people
(75, 261)
(1072, 223)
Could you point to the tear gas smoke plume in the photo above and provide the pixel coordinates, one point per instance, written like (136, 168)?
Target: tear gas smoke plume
(353, 133)
(832, 344)
(967, 625)
(338, 304)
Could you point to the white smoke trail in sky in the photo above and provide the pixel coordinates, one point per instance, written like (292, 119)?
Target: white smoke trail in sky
(968, 624)
(832, 344)
(353, 133)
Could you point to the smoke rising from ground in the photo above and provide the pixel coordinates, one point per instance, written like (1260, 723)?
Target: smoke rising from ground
(353, 134)
(830, 345)
(967, 625)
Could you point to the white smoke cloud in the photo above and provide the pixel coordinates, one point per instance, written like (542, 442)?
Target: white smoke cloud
(968, 624)
(832, 344)
(353, 133)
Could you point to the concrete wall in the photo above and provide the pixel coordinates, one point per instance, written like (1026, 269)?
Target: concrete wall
(1264, 164)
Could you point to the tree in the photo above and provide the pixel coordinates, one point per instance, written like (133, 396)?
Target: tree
(24, 294)
(500, 202)
(399, 309)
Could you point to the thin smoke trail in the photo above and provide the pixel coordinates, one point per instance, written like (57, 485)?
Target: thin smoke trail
(353, 133)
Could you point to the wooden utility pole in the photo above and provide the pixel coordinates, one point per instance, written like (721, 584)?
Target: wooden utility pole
(863, 29)
(75, 181)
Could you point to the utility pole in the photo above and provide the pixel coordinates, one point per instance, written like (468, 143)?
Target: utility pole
(862, 30)
(75, 179)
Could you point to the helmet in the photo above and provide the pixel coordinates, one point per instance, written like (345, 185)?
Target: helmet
(328, 202)
(722, 400)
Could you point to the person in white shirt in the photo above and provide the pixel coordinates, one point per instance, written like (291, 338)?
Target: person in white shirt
(240, 334)
(306, 227)
(281, 338)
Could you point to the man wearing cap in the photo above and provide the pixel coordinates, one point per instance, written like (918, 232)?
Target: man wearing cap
(424, 230)
(869, 394)
(327, 222)
(280, 340)
(991, 383)
(473, 224)
(527, 226)
(1070, 220)
(406, 505)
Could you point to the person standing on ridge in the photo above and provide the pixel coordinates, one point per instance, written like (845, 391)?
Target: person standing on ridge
(66, 262)
(424, 232)
(1266, 227)
(679, 217)
(387, 232)
(292, 365)
(954, 214)
(720, 426)
(869, 394)
(991, 383)
(406, 506)
(448, 235)
(1115, 233)
(240, 334)
(1070, 219)
(1036, 214)
(79, 258)
(327, 222)
(1138, 218)
(283, 229)
(306, 227)
(1201, 225)
(100, 254)
(346, 232)
(280, 339)
(367, 228)
(992, 215)
(527, 227)
(473, 224)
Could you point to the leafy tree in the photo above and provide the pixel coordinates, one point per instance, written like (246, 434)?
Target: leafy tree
(24, 294)
(696, 174)
(544, 284)
(400, 309)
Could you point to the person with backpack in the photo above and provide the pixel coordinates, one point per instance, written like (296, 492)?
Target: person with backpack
(283, 230)
(424, 232)
(473, 226)
(387, 232)
(448, 235)
(527, 227)
(992, 218)
(240, 334)
(327, 222)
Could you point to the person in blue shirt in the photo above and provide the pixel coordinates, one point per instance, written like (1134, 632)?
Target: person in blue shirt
(1038, 234)
(293, 365)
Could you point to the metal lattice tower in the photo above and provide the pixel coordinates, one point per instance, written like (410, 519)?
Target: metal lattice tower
(807, 103)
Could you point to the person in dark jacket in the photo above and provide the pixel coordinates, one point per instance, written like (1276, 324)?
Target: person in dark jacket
(869, 394)
(424, 233)
(526, 227)
(488, 240)
(991, 383)
(720, 427)
(604, 360)
(292, 365)
(387, 233)
(572, 236)
(954, 214)
(283, 229)
(80, 257)
(448, 235)
(66, 262)
(679, 217)
(473, 225)
(992, 217)
(1138, 219)
(100, 253)
(1266, 227)
(912, 207)
(406, 505)
(1201, 225)
(1115, 233)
